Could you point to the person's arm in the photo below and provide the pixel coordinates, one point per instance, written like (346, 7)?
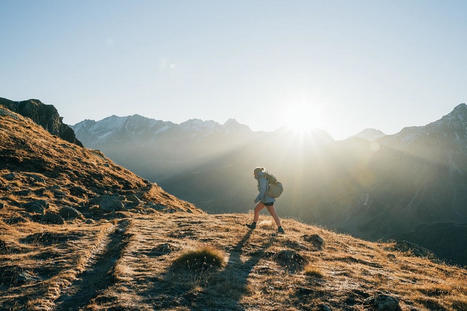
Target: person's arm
(263, 187)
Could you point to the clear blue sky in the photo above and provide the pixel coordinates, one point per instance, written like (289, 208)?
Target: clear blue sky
(341, 65)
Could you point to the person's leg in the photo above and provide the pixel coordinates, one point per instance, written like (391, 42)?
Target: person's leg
(258, 209)
(273, 213)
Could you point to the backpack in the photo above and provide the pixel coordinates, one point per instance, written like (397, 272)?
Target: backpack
(274, 186)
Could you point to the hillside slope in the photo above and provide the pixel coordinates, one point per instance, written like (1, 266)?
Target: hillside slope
(53, 191)
(38, 169)
(131, 266)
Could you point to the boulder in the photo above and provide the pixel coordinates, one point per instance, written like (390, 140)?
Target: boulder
(36, 206)
(52, 218)
(290, 260)
(109, 203)
(69, 213)
(9, 176)
(415, 249)
(323, 307)
(383, 302)
(314, 239)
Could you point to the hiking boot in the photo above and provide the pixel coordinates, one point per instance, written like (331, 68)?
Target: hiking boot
(280, 230)
(252, 225)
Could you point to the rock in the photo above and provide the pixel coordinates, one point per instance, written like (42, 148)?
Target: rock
(44, 115)
(160, 250)
(133, 198)
(323, 307)
(314, 239)
(383, 302)
(15, 276)
(59, 194)
(52, 218)
(35, 177)
(291, 260)
(109, 203)
(96, 211)
(77, 191)
(5, 112)
(9, 176)
(415, 249)
(119, 215)
(36, 206)
(69, 213)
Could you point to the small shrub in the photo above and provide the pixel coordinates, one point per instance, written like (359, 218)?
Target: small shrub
(200, 260)
(313, 271)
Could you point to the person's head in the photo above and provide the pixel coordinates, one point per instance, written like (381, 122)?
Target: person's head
(257, 171)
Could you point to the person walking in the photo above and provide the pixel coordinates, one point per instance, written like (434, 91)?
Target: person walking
(263, 200)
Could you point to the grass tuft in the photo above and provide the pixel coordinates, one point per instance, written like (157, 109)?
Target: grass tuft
(199, 260)
(313, 271)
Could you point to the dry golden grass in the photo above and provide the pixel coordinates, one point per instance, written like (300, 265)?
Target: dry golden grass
(199, 260)
(246, 276)
(313, 271)
(47, 167)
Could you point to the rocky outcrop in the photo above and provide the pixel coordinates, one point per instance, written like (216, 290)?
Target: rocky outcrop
(315, 240)
(383, 303)
(45, 115)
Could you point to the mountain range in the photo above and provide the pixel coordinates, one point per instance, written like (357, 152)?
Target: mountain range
(371, 185)
(80, 232)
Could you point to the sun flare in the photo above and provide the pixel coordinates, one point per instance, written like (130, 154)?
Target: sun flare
(302, 119)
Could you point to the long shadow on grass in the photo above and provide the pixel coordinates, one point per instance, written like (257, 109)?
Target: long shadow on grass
(220, 290)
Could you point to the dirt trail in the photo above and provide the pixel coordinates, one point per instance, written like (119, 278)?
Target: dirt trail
(100, 276)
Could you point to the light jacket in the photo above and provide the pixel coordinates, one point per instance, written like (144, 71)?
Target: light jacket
(263, 188)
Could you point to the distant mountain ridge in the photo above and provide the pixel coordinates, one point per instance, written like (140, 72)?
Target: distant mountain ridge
(370, 134)
(147, 142)
(375, 187)
(96, 133)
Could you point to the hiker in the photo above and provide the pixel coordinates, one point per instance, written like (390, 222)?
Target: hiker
(263, 199)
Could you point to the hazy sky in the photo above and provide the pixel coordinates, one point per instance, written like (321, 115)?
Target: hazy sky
(340, 65)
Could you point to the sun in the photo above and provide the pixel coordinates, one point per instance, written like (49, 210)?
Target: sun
(302, 119)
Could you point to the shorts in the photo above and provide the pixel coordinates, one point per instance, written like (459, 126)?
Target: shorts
(269, 204)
